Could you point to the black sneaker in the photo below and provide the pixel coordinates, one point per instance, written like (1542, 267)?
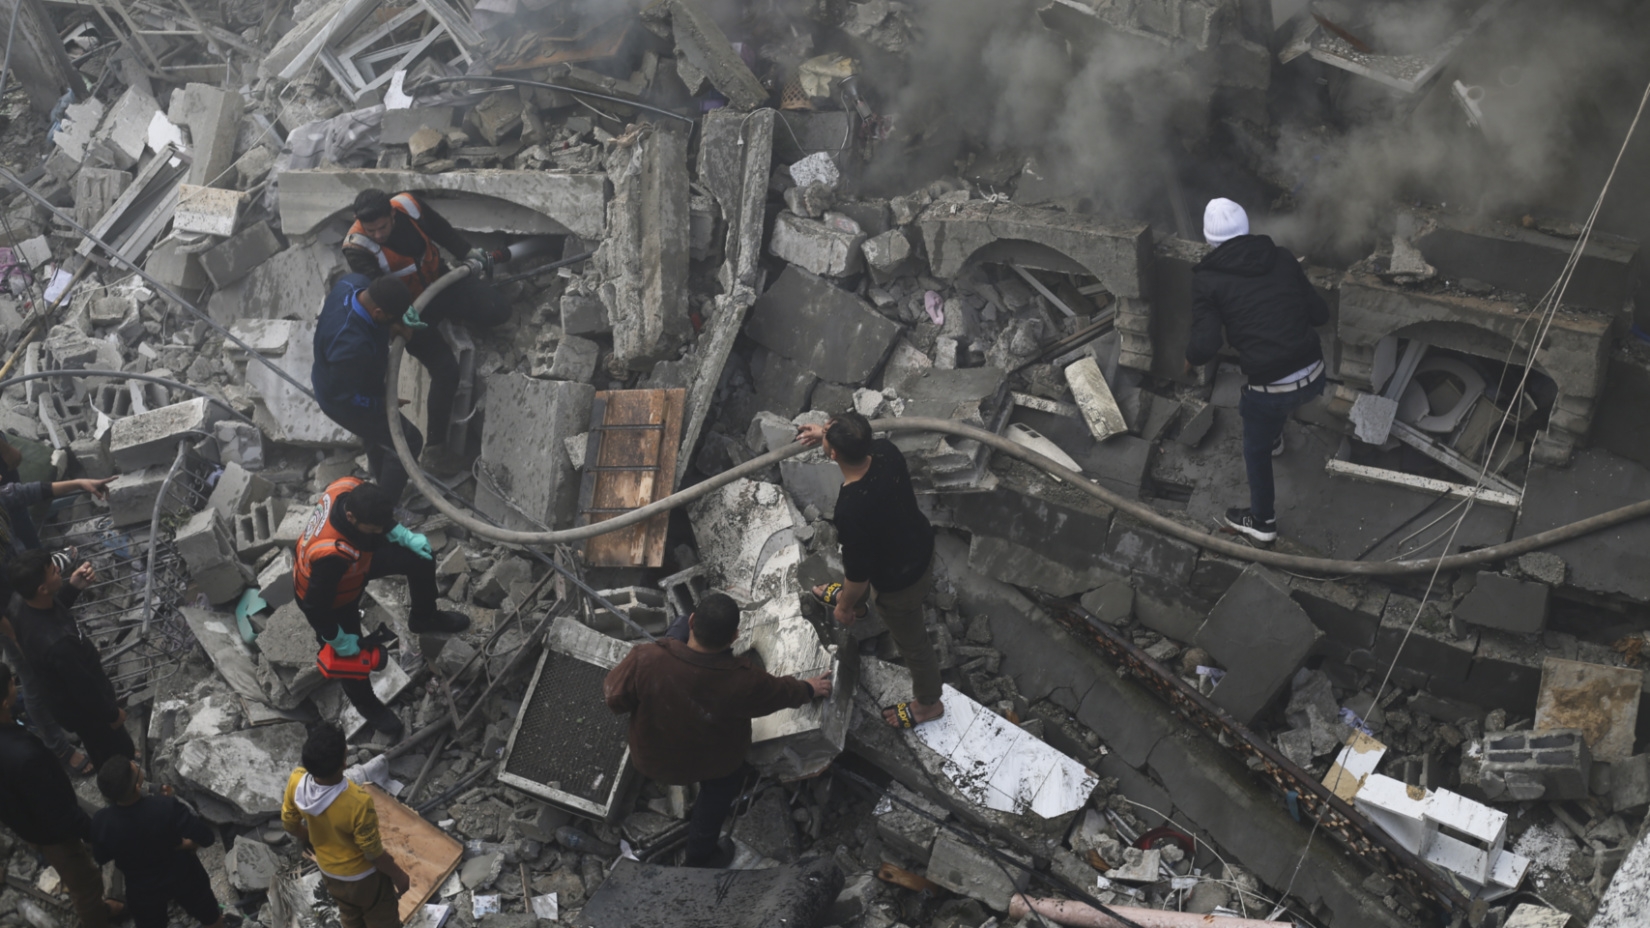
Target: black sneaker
(1243, 522)
(443, 622)
(1277, 447)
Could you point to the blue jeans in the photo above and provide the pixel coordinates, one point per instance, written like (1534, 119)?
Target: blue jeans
(1263, 417)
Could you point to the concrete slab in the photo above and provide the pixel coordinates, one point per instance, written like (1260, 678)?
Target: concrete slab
(1499, 601)
(1028, 568)
(1613, 562)
(1094, 399)
(95, 190)
(151, 438)
(207, 210)
(1626, 901)
(246, 769)
(816, 246)
(1511, 257)
(284, 412)
(214, 120)
(1261, 637)
(1364, 513)
(970, 871)
(1601, 701)
(240, 254)
(523, 449)
(649, 896)
(643, 257)
(705, 47)
(832, 332)
(519, 202)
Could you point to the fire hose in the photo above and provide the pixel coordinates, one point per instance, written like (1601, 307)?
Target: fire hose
(1145, 513)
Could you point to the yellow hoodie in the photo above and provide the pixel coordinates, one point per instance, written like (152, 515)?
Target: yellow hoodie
(343, 824)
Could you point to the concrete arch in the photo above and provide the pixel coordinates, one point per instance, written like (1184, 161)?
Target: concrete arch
(518, 202)
(959, 233)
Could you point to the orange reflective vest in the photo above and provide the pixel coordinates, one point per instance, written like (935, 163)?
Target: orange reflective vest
(416, 272)
(322, 539)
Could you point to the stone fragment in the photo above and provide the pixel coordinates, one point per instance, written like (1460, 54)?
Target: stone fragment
(828, 330)
(237, 489)
(237, 256)
(643, 259)
(523, 450)
(246, 769)
(207, 210)
(152, 438)
(214, 120)
(819, 247)
(963, 868)
(1261, 637)
(575, 360)
(1094, 399)
(251, 865)
(706, 49)
(1499, 601)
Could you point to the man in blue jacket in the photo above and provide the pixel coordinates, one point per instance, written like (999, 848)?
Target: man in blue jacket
(1257, 293)
(352, 358)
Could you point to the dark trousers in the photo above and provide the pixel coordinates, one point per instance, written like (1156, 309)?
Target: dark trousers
(388, 561)
(372, 428)
(72, 860)
(189, 887)
(102, 742)
(368, 903)
(474, 304)
(1263, 417)
(710, 810)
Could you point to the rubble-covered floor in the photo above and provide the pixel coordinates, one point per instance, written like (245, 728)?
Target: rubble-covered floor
(760, 214)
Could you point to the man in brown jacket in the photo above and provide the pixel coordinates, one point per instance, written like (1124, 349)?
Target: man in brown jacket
(691, 705)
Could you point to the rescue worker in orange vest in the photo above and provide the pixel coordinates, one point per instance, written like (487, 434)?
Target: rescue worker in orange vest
(397, 237)
(352, 537)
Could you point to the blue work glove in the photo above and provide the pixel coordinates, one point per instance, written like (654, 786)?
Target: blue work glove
(411, 319)
(345, 644)
(412, 541)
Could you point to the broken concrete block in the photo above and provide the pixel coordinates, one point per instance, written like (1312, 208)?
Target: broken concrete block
(906, 831)
(399, 125)
(1261, 637)
(1499, 601)
(275, 580)
(887, 251)
(427, 145)
(816, 246)
(152, 437)
(237, 256)
(207, 210)
(95, 190)
(251, 865)
(1119, 255)
(966, 869)
(1138, 866)
(1094, 399)
(126, 127)
(584, 314)
(74, 130)
(643, 260)
(214, 120)
(173, 261)
(706, 49)
(523, 450)
(132, 496)
(246, 769)
(1530, 915)
(208, 549)
(1004, 560)
(255, 528)
(575, 360)
(1556, 760)
(829, 331)
(237, 489)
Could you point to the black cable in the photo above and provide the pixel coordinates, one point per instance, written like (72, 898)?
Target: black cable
(545, 267)
(495, 79)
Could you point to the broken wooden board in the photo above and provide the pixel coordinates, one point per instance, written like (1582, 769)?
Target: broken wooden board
(630, 461)
(428, 854)
(1602, 701)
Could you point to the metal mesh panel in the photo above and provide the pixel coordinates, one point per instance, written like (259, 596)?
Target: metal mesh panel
(568, 738)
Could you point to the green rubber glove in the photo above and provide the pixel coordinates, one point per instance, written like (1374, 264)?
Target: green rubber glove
(412, 541)
(345, 644)
(411, 320)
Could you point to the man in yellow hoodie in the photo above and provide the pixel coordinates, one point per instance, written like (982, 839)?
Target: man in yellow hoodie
(337, 819)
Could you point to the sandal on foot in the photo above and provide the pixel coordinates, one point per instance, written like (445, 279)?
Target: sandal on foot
(83, 769)
(833, 591)
(905, 718)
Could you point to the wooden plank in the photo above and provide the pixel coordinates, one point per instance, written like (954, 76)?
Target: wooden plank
(428, 854)
(648, 456)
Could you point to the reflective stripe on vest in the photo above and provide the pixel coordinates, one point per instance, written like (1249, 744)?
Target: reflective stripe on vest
(322, 539)
(416, 273)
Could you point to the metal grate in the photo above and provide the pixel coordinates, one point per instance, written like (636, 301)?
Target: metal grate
(568, 739)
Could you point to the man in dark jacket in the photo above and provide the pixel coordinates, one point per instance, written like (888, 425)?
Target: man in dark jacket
(1258, 293)
(691, 706)
(38, 803)
(887, 549)
(397, 237)
(352, 361)
(153, 839)
(65, 664)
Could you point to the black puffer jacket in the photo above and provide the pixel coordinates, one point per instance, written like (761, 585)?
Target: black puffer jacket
(1259, 293)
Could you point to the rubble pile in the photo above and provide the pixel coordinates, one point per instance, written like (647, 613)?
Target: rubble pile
(746, 218)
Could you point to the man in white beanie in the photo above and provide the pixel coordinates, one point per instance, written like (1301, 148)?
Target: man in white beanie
(1257, 292)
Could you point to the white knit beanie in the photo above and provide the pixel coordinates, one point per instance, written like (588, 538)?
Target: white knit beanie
(1222, 220)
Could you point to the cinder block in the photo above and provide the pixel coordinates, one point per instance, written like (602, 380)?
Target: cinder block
(238, 489)
(255, 528)
(1556, 760)
(208, 210)
(132, 497)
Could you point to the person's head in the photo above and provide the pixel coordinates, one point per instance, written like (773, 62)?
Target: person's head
(34, 574)
(1223, 220)
(8, 691)
(386, 300)
(715, 621)
(323, 754)
(848, 438)
(369, 508)
(119, 780)
(372, 210)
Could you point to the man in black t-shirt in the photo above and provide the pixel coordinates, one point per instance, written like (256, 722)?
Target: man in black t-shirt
(153, 840)
(887, 550)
